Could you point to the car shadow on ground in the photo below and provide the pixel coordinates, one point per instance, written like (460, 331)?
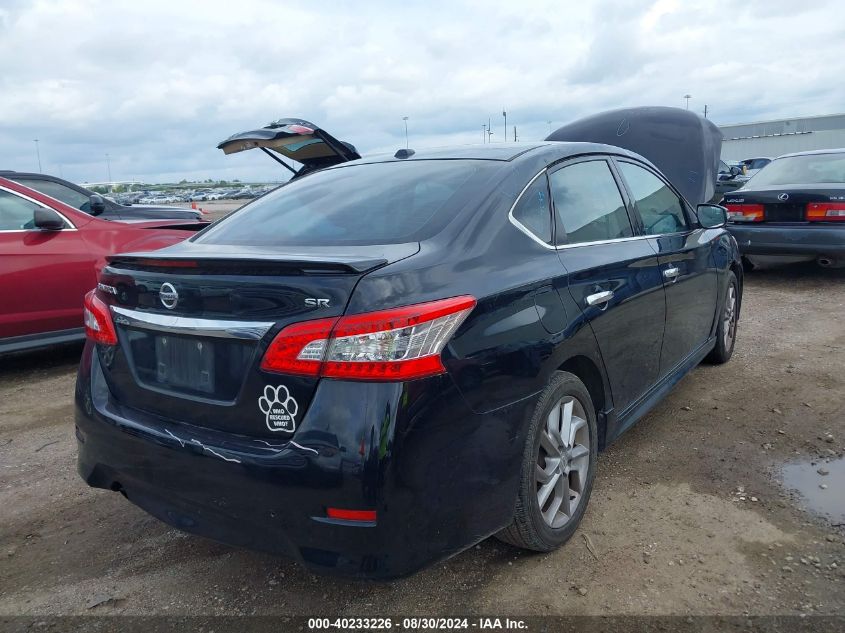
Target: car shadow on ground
(57, 357)
(794, 272)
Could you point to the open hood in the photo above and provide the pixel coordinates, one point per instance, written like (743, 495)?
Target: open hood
(296, 139)
(681, 144)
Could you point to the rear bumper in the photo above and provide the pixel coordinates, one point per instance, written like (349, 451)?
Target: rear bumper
(779, 239)
(440, 477)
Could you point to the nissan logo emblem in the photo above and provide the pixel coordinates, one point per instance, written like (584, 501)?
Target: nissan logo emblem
(168, 296)
(783, 196)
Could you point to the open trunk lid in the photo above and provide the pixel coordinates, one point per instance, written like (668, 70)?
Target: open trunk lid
(193, 324)
(295, 139)
(681, 144)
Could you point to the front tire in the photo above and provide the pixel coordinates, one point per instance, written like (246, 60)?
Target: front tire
(558, 467)
(728, 323)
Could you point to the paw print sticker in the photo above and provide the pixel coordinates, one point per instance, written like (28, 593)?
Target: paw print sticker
(279, 408)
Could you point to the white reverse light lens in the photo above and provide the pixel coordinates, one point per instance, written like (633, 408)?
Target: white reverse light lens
(407, 343)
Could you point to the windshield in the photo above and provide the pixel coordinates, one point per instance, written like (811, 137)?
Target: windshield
(60, 192)
(806, 169)
(375, 203)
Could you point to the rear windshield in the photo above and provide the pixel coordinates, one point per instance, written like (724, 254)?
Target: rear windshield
(807, 169)
(376, 203)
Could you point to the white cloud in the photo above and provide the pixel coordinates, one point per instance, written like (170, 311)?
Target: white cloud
(157, 84)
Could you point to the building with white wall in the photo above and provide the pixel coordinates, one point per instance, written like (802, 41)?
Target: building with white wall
(783, 136)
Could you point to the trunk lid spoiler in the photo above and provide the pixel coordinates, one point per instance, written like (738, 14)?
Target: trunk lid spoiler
(201, 258)
(681, 144)
(296, 139)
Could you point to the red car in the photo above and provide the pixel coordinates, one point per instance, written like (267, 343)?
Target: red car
(51, 255)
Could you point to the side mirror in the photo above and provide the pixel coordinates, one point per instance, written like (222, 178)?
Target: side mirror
(711, 216)
(98, 205)
(47, 220)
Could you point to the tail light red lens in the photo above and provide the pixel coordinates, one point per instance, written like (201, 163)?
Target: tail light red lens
(745, 212)
(399, 344)
(368, 516)
(826, 211)
(99, 326)
(299, 348)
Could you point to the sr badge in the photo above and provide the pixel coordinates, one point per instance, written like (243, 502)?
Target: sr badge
(279, 408)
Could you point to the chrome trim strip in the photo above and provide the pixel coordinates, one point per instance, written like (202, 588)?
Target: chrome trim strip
(550, 247)
(525, 230)
(613, 241)
(217, 328)
(519, 225)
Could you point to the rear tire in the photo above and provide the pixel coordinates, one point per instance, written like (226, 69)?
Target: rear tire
(728, 324)
(558, 467)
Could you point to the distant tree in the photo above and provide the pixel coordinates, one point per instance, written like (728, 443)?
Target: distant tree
(100, 190)
(183, 182)
(118, 188)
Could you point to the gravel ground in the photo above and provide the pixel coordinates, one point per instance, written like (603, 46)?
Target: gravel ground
(687, 517)
(216, 209)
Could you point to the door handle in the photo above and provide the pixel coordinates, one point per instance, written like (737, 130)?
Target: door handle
(672, 273)
(599, 298)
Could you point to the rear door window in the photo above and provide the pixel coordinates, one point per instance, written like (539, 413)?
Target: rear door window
(373, 203)
(533, 211)
(660, 208)
(588, 204)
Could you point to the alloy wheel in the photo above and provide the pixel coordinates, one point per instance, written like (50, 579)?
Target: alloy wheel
(729, 318)
(563, 461)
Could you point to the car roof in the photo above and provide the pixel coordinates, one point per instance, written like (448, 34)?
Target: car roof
(840, 150)
(504, 152)
(8, 173)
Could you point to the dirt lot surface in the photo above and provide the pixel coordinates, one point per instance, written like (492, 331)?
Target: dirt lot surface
(687, 516)
(216, 209)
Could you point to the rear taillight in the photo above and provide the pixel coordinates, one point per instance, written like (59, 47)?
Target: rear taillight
(745, 212)
(98, 324)
(399, 344)
(826, 211)
(362, 516)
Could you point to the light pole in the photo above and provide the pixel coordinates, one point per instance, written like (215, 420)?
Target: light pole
(687, 97)
(405, 119)
(38, 154)
(483, 133)
(505, 114)
(550, 127)
(108, 165)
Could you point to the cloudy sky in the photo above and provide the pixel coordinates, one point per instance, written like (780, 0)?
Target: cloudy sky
(157, 84)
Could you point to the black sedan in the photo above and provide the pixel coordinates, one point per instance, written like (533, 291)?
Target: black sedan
(95, 204)
(793, 207)
(376, 366)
